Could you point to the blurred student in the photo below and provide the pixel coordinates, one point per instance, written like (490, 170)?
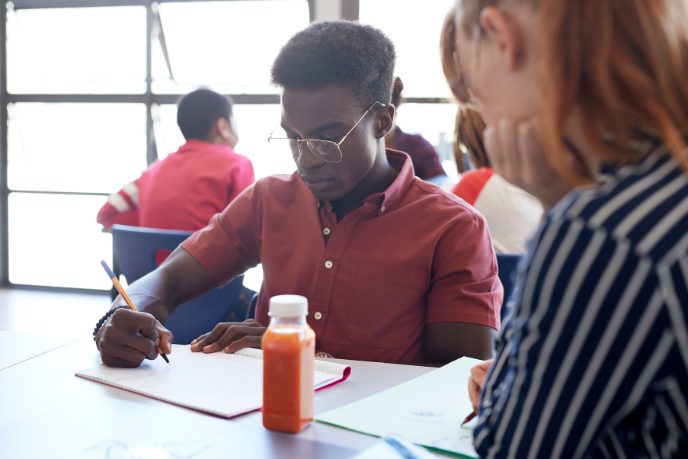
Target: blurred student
(586, 105)
(426, 163)
(183, 191)
(512, 214)
(331, 231)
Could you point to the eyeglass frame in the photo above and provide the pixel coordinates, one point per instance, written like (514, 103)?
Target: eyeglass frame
(337, 144)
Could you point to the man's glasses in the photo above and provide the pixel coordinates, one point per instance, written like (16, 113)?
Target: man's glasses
(325, 150)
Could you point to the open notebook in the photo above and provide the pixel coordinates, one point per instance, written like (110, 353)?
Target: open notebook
(222, 384)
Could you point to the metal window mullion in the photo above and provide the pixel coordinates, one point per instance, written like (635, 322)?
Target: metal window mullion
(4, 189)
(151, 153)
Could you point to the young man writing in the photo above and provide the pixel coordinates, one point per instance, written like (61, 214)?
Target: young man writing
(331, 231)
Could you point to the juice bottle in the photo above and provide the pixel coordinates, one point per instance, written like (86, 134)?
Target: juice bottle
(288, 356)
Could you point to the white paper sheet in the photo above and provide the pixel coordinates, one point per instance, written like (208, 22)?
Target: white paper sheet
(221, 384)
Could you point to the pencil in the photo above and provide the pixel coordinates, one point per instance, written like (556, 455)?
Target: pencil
(121, 291)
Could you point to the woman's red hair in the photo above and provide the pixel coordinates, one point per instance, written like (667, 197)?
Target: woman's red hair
(622, 63)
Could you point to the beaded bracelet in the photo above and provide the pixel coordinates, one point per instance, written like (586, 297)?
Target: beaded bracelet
(104, 318)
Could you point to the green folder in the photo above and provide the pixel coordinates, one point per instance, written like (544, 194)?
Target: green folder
(427, 411)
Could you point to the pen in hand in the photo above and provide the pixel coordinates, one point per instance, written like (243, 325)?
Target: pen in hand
(121, 291)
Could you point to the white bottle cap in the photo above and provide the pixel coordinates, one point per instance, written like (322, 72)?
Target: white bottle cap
(288, 306)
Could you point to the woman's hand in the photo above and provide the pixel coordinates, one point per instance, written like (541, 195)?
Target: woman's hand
(476, 381)
(230, 336)
(515, 154)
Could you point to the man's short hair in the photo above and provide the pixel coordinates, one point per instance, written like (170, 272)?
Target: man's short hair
(358, 56)
(198, 111)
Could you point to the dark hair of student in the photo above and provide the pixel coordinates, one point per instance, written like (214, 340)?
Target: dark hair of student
(469, 134)
(396, 92)
(199, 110)
(358, 56)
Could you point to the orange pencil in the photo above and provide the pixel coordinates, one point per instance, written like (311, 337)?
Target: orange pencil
(121, 291)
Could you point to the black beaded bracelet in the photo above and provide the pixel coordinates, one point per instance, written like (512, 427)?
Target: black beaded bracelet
(104, 318)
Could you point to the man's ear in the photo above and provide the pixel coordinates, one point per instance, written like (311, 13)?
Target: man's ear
(505, 33)
(385, 120)
(227, 132)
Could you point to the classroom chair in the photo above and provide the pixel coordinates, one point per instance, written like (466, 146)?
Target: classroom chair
(251, 311)
(506, 264)
(139, 251)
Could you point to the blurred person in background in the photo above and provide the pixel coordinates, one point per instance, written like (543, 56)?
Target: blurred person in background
(426, 162)
(512, 214)
(586, 105)
(183, 191)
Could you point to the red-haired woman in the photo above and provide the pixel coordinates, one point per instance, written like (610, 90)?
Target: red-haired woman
(586, 103)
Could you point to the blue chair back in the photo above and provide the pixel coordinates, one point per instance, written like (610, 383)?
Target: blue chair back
(507, 273)
(135, 251)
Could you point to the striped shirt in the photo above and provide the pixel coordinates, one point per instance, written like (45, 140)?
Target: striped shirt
(593, 356)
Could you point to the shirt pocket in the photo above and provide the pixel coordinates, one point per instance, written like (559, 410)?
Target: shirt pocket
(388, 304)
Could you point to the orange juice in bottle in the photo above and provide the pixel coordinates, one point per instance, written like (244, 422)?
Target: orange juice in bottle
(288, 356)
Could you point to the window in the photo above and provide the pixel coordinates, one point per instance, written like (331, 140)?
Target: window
(228, 46)
(77, 50)
(55, 241)
(88, 148)
(80, 101)
(415, 30)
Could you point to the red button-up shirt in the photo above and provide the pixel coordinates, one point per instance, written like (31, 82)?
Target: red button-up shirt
(410, 256)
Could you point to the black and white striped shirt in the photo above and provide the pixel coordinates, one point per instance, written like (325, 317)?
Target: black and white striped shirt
(592, 361)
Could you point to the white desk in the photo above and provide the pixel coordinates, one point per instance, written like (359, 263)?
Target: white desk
(47, 410)
(18, 347)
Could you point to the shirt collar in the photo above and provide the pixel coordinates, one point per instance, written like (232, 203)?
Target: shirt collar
(192, 145)
(386, 200)
(391, 196)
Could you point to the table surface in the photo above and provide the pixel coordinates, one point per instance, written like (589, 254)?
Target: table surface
(41, 398)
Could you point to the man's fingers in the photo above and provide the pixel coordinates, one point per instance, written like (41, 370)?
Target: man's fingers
(199, 343)
(112, 353)
(244, 342)
(140, 322)
(231, 334)
(166, 338)
(126, 338)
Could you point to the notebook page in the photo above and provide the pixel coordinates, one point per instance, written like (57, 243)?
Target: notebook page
(321, 366)
(221, 384)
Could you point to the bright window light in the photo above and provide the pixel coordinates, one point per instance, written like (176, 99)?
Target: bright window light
(94, 148)
(55, 241)
(228, 46)
(77, 50)
(415, 29)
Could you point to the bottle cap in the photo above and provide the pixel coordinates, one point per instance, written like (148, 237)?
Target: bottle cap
(288, 306)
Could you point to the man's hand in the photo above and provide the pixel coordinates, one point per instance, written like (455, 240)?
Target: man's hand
(128, 337)
(516, 155)
(476, 381)
(230, 336)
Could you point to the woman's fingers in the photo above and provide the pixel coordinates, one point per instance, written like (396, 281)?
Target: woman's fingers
(473, 393)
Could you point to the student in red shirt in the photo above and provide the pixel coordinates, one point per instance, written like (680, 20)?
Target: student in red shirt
(183, 191)
(394, 268)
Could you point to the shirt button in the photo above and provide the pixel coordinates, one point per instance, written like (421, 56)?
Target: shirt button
(328, 264)
(317, 316)
(326, 231)
(383, 209)
(318, 204)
